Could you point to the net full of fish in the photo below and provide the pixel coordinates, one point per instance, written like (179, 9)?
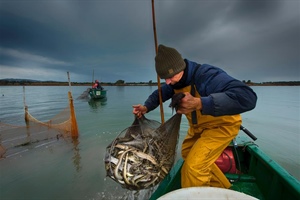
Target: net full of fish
(143, 154)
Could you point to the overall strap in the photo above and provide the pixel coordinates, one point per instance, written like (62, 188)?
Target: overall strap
(193, 86)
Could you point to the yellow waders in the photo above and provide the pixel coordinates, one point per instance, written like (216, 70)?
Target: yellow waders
(203, 144)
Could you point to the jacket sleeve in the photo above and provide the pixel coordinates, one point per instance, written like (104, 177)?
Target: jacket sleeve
(223, 95)
(153, 100)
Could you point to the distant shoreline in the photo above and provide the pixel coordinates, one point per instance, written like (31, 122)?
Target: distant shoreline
(29, 82)
(294, 83)
(75, 84)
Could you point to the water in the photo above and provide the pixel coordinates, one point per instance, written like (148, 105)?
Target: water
(276, 123)
(67, 170)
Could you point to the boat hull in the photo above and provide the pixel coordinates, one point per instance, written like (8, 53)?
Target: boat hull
(97, 93)
(258, 175)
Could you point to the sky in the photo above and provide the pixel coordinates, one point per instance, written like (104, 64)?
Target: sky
(257, 40)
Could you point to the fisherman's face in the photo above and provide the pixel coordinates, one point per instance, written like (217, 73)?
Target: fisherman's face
(174, 79)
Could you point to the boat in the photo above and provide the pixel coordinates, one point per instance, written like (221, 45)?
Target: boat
(96, 93)
(249, 169)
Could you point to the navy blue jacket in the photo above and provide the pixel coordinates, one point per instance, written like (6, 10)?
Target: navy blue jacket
(220, 93)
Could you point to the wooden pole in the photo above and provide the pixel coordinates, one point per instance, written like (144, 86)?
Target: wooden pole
(25, 109)
(74, 126)
(69, 81)
(158, 78)
(93, 78)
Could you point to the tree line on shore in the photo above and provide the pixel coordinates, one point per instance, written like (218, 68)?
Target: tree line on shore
(28, 82)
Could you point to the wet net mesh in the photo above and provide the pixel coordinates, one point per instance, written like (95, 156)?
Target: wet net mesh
(143, 154)
(63, 124)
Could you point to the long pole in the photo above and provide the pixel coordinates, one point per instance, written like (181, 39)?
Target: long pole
(74, 126)
(158, 79)
(69, 81)
(93, 77)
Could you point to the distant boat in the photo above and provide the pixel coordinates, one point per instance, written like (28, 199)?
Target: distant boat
(96, 93)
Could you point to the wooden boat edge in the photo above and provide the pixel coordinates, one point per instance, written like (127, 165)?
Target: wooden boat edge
(282, 184)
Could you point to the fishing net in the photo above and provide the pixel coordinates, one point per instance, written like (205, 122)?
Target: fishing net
(143, 154)
(85, 95)
(63, 124)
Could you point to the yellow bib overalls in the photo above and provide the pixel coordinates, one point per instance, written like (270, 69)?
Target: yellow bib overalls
(203, 144)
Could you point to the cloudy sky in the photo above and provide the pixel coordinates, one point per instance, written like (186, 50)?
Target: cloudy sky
(257, 40)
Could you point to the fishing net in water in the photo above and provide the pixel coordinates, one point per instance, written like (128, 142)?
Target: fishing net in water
(85, 95)
(143, 154)
(63, 124)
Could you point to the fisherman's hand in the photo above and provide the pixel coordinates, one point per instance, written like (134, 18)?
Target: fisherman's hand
(189, 103)
(139, 110)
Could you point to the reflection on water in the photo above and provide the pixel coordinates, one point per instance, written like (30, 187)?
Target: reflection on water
(97, 103)
(76, 158)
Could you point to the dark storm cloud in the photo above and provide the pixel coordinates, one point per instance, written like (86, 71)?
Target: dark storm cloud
(257, 40)
(252, 40)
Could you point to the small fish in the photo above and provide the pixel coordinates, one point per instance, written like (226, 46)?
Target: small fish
(139, 158)
(176, 100)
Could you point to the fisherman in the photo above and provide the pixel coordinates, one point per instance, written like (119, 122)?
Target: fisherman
(212, 104)
(97, 85)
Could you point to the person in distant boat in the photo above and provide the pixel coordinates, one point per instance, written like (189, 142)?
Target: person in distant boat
(97, 85)
(212, 104)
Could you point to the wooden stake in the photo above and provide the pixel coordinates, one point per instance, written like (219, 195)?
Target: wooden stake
(158, 78)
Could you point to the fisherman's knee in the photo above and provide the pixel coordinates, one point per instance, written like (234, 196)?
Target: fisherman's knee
(192, 176)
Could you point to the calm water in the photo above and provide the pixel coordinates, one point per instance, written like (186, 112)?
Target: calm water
(64, 170)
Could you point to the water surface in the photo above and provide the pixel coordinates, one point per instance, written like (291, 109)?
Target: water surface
(67, 169)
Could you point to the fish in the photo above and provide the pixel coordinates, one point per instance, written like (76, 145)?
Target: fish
(142, 155)
(176, 100)
(133, 167)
